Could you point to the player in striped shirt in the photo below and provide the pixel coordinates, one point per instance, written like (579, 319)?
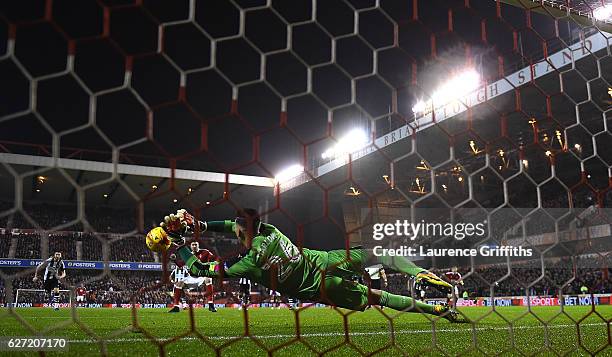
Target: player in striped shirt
(54, 271)
(177, 277)
(245, 292)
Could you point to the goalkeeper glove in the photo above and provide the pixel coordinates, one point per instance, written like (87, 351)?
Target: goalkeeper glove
(175, 223)
(181, 223)
(175, 229)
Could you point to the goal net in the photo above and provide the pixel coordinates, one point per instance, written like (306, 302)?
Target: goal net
(471, 138)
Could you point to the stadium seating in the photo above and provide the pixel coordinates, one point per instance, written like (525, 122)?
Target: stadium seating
(559, 274)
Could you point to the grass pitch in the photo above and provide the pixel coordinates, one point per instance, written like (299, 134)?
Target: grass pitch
(506, 331)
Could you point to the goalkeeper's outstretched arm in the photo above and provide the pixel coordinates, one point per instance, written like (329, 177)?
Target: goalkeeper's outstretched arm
(183, 223)
(226, 226)
(195, 266)
(243, 268)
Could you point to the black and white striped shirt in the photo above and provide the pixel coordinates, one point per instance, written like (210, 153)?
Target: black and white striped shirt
(54, 268)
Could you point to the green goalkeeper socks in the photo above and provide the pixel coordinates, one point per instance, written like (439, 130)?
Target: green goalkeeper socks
(404, 303)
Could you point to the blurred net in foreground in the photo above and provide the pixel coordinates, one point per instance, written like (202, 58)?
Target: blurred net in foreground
(439, 111)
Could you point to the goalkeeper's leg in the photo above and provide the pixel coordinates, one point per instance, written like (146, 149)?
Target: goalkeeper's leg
(354, 296)
(408, 304)
(354, 261)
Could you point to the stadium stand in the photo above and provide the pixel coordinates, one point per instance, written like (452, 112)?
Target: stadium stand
(88, 247)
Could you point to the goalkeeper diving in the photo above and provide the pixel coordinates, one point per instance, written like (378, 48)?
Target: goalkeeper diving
(273, 261)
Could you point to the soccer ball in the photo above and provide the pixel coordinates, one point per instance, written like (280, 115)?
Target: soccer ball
(157, 240)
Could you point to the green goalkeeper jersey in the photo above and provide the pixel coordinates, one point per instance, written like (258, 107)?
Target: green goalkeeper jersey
(273, 261)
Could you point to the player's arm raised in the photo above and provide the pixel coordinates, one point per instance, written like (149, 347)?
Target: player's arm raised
(39, 267)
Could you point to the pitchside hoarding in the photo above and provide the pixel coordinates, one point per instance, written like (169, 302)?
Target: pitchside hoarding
(77, 264)
(566, 300)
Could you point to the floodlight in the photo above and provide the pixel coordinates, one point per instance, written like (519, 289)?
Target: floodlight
(351, 142)
(289, 173)
(419, 107)
(458, 86)
(603, 13)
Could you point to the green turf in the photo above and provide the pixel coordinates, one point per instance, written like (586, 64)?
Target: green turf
(574, 331)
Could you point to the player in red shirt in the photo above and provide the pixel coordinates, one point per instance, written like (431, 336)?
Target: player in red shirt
(454, 278)
(80, 295)
(206, 256)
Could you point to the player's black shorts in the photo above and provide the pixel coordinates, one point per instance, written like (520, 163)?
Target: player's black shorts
(245, 288)
(50, 284)
(375, 284)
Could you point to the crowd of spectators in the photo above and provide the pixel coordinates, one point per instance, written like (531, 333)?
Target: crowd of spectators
(65, 243)
(560, 277)
(129, 249)
(145, 287)
(567, 277)
(28, 246)
(5, 244)
(91, 246)
(46, 216)
(121, 248)
(58, 217)
(109, 225)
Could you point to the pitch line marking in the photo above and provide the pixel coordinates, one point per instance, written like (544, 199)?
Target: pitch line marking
(341, 334)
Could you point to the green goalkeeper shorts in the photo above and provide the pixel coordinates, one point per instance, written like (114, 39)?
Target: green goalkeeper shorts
(337, 288)
(344, 293)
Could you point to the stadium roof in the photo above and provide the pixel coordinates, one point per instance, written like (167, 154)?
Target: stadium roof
(39, 180)
(215, 120)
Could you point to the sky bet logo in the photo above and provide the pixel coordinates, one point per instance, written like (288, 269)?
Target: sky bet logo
(422, 229)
